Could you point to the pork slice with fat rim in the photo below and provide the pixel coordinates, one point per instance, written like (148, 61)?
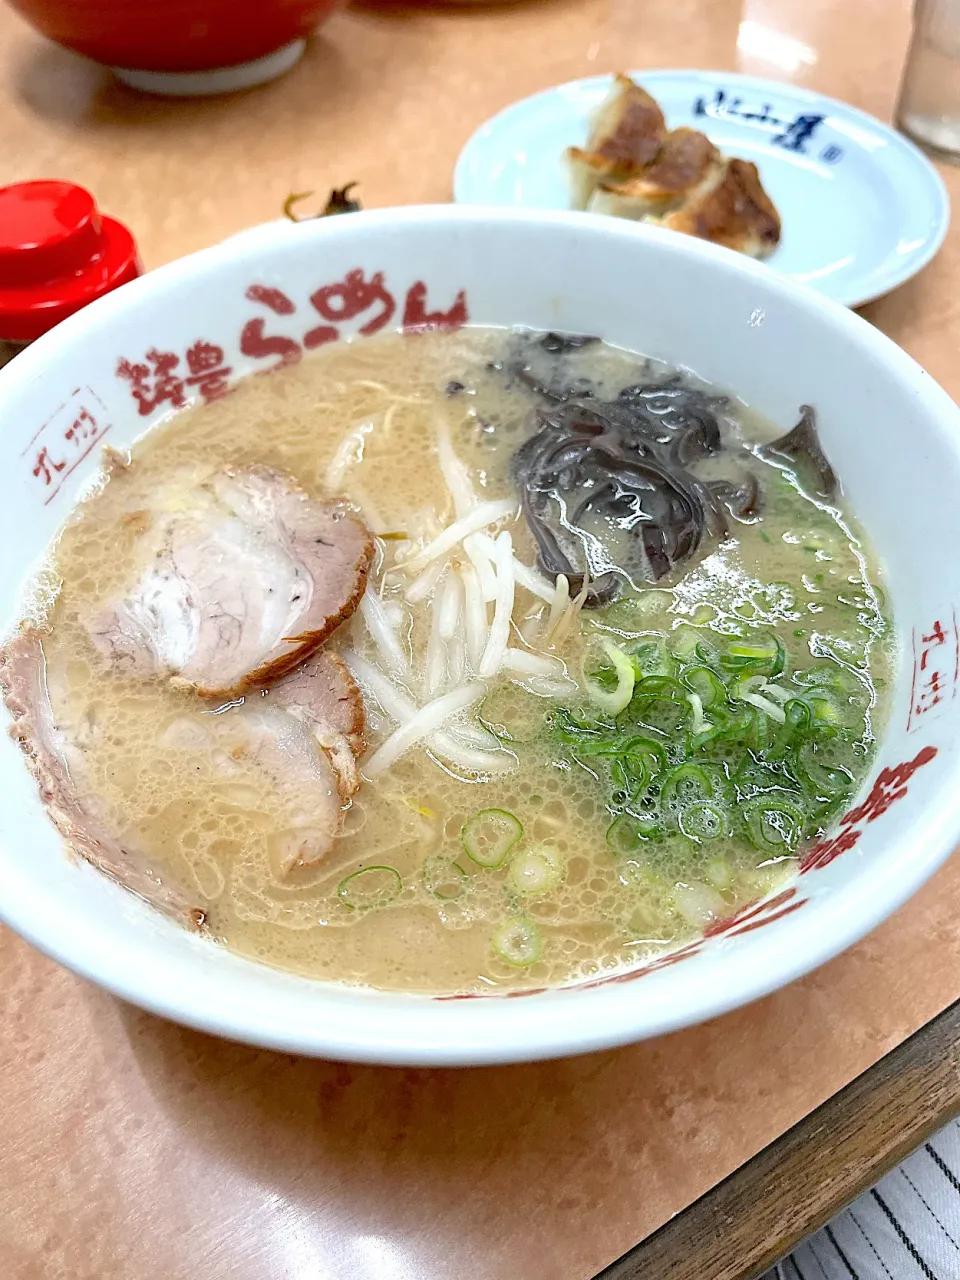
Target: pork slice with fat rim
(248, 577)
(53, 760)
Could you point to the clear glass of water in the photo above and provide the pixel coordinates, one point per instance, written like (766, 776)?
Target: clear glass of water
(928, 109)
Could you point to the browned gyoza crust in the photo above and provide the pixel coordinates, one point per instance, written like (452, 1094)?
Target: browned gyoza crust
(737, 213)
(627, 134)
(633, 168)
(683, 162)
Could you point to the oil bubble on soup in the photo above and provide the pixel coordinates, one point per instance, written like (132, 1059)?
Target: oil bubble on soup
(455, 662)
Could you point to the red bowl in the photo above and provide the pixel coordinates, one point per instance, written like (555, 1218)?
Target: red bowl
(174, 35)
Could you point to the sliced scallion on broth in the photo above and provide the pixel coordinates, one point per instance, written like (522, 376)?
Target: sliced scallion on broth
(489, 836)
(535, 871)
(518, 943)
(443, 878)
(370, 887)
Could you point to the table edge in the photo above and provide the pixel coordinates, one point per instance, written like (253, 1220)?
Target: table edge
(762, 1210)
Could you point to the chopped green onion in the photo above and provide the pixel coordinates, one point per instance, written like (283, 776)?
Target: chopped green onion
(712, 741)
(651, 658)
(773, 825)
(747, 729)
(708, 653)
(682, 643)
(824, 710)
(726, 728)
(443, 877)
(370, 887)
(489, 836)
(797, 715)
(663, 716)
(706, 684)
(818, 776)
(836, 695)
(746, 684)
(518, 942)
(598, 746)
(764, 705)
(660, 705)
(699, 723)
(627, 834)
(687, 784)
(765, 654)
(582, 726)
(661, 687)
(704, 821)
(718, 873)
(796, 723)
(613, 701)
(535, 871)
(775, 691)
(760, 731)
(641, 761)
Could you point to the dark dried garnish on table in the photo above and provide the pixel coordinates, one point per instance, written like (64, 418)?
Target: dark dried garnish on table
(598, 472)
(339, 201)
(8, 350)
(801, 448)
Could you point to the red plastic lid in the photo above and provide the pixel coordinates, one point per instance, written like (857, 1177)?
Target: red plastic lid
(57, 253)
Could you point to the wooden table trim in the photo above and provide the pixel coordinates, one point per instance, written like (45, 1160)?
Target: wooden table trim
(752, 1218)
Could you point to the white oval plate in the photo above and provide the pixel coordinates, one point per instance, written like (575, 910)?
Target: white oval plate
(862, 208)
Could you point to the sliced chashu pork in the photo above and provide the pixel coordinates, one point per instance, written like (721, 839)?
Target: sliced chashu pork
(55, 761)
(323, 695)
(302, 734)
(244, 576)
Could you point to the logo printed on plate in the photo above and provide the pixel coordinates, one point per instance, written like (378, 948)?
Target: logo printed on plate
(862, 208)
(792, 134)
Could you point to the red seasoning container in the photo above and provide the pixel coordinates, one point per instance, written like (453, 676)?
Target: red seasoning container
(57, 253)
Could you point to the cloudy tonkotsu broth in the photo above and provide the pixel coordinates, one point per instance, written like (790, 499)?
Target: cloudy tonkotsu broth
(657, 760)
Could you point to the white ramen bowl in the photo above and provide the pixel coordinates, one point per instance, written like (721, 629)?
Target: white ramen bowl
(891, 433)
